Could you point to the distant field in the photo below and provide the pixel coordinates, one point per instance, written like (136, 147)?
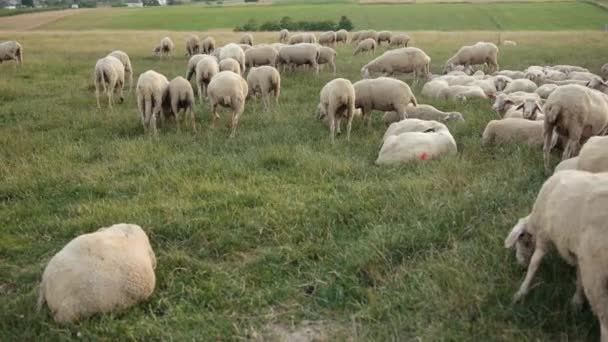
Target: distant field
(446, 17)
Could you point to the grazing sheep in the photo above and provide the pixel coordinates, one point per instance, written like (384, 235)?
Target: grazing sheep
(523, 84)
(510, 74)
(594, 155)
(230, 64)
(403, 60)
(299, 54)
(303, 38)
(246, 39)
(385, 94)
(264, 80)
(567, 164)
(366, 45)
(277, 46)
(108, 270)
(235, 52)
(150, 90)
(462, 92)
(604, 71)
(341, 36)
(179, 97)
(412, 140)
(229, 90)
(109, 75)
(399, 39)
(11, 51)
(337, 101)
(511, 130)
(327, 38)
(368, 34)
(283, 36)
(569, 214)
(193, 45)
(192, 62)
(576, 112)
(423, 112)
(217, 52)
(509, 43)
(545, 90)
(206, 68)
(165, 48)
(479, 53)
(434, 88)
(355, 36)
(261, 55)
(384, 36)
(126, 62)
(245, 47)
(327, 55)
(208, 45)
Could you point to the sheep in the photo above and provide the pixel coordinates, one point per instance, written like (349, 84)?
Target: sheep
(264, 80)
(192, 62)
(434, 88)
(244, 47)
(208, 45)
(283, 36)
(567, 164)
(504, 102)
(302, 38)
(327, 55)
(217, 52)
(11, 51)
(403, 60)
(108, 270)
(246, 39)
(165, 48)
(535, 73)
(384, 36)
(179, 96)
(337, 101)
(230, 64)
(341, 36)
(126, 62)
(566, 69)
(277, 46)
(261, 55)
(569, 214)
(462, 92)
(399, 39)
(299, 54)
(228, 89)
(523, 84)
(366, 45)
(545, 90)
(368, 34)
(567, 82)
(235, 52)
(501, 82)
(413, 140)
(598, 84)
(511, 74)
(110, 75)
(604, 71)
(355, 36)
(511, 130)
(150, 90)
(193, 45)
(554, 75)
(582, 76)
(206, 68)
(479, 53)
(327, 38)
(488, 86)
(423, 112)
(594, 155)
(576, 112)
(385, 94)
(509, 43)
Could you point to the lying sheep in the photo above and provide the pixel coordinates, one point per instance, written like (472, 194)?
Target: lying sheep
(583, 76)
(11, 51)
(283, 36)
(230, 64)
(566, 69)
(598, 84)
(109, 75)
(165, 48)
(246, 39)
(367, 45)
(567, 82)
(208, 45)
(192, 62)
(264, 80)
(423, 112)
(206, 68)
(479, 53)
(193, 45)
(385, 94)
(501, 82)
(504, 102)
(594, 155)
(509, 43)
(510, 130)
(337, 102)
(576, 112)
(384, 36)
(299, 54)
(535, 73)
(403, 60)
(235, 52)
(413, 140)
(341, 36)
(327, 55)
(261, 55)
(569, 213)
(126, 62)
(511, 74)
(434, 88)
(368, 34)
(399, 39)
(462, 92)
(179, 97)
(327, 38)
(545, 90)
(229, 90)
(523, 84)
(150, 90)
(109, 270)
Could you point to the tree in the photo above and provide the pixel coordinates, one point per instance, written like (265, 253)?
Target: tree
(286, 23)
(345, 23)
(27, 3)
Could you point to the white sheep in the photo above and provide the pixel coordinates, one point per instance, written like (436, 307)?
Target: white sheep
(179, 97)
(479, 53)
(355, 36)
(434, 88)
(399, 39)
(261, 55)
(384, 36)
(327, 55)
(594, 155)
(576, 112)
(109, 75)
(264, 80)
(208, 45)
(412, 140)
(245, 47)
(423, 112)
(567, 164)
(403, 60)
(462, 92)
(569, 214)
(598, 85)
(299, 54)
(341, 36)
(327, 38)
(235, 52)
(229, 64)
(303, 38)
(604, 71)
(11, 51)
(217, 52)
(337, 102)
(368, 34)
(165, 48)
(228, 89)
(366, 45)
(545, 90)
(206, 68)
(108, 270)
(523, 84)
(126, 62)
(283, 36)
(566, 69)
(511, 130)
(509, 43)
(504, 102)
(193, 45)
(191, 68)
(385, 94)
(150, 90)
(583, 76)
(246, 39)
(512, 74)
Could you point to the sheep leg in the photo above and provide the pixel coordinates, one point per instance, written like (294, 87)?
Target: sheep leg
(548, 133)
(191, 114)
(349, 126)
(277, 92)
(215, 116)
(200, 92)
(571, 149)
(538, 255)
(176, 111)
(579, 295)
(266, 100)
(97, 95)
(235, 121)
(333, 67)
(402, 113)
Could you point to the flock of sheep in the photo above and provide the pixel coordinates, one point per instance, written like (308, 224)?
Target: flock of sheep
(546, 106)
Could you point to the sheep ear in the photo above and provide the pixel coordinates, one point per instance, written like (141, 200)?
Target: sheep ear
(521, 106)
(539, 107)
(588, 84)
(516, 233)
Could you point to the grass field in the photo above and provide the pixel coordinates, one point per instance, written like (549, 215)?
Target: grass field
(276, 226)
(500, 16)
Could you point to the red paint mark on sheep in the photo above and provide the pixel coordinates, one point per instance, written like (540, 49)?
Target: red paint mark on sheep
(424, 156)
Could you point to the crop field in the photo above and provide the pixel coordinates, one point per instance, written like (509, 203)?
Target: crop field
(262, 233)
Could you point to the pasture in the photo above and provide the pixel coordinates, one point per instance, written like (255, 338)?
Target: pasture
(275, 227)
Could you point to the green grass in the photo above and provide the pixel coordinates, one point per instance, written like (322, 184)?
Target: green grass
(276, 225)
(503, 16)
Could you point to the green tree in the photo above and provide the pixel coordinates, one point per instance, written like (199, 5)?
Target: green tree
(27, 3)
(345, 23)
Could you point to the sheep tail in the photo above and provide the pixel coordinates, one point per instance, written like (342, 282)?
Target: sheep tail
(413, 101)
(19, 55)
(148, 105)
(227, 100)
(41, 298)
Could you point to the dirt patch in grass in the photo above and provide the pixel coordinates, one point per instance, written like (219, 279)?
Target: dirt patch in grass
(31, 21)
